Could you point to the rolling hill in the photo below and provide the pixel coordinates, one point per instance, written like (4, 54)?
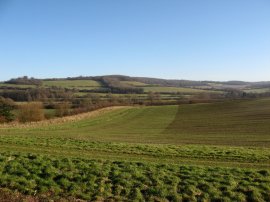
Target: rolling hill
(188, 152)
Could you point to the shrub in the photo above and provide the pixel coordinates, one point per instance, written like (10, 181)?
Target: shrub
(62, 109)
(32, 111)
(6, 107)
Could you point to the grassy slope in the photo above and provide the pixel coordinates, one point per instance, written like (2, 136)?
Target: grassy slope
(141, 124)
(78, 84)
(134, 83)
(258, 90)
(16, 86)
(166, 89)
(141, 153)
(230, 123)
(159, 133)
(239, 123)
(170, 89)
(162, 89)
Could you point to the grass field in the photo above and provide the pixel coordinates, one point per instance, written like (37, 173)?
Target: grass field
(78, 84)
(216, 151)
(258, 90)
(130, 181)
(161, 89)
(16, 86)
(134, 83)
(238, 123)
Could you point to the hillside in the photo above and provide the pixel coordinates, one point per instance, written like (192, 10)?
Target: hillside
(125, 90)
(234, 123)
(149, 140)
(230, 133)
(111, 81)
(143, 153)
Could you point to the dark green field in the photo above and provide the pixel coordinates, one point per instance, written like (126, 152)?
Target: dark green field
(193, 152)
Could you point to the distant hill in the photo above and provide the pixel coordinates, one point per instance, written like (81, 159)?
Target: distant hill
(169, 82)
(135, 85)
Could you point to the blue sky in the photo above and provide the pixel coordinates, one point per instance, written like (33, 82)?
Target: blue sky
(178, 39)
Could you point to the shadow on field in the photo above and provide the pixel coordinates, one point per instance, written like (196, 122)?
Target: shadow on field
(173, 127)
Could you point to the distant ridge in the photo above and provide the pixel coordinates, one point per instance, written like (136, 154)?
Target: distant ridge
(149, 81)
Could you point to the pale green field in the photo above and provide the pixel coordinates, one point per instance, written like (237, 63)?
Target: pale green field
(175, 90)
(258, 90)
(134, 83)
(78, 84)
(16, 86)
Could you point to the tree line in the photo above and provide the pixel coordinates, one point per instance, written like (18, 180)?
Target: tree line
(24, 81)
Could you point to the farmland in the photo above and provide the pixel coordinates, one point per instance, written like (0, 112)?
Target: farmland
(134, 101)
(188, 152)
(120, 180)
(223, 123)
(5, 85)
(53, 91)
(125, 90)
(76, 84)
(161, 89)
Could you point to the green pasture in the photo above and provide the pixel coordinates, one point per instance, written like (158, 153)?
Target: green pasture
(225, 133)
(162, 89)
(258, 90)
(77, 84)
(134, 83)
(234, 123)
(16, 86)
(190, 152)
(104, 180)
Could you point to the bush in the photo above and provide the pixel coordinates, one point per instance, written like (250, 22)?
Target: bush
(62, 109)
(6, 106)
(32, 111)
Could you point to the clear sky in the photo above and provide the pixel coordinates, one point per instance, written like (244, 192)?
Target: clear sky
(178, 39)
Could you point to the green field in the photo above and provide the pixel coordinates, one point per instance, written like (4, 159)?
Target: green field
(238, 123)
(158, 153)
(161, 89)
(70, 84)
(99, 180)
(258, 90)
(78, 84)
(16, 86)
(134, 83)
